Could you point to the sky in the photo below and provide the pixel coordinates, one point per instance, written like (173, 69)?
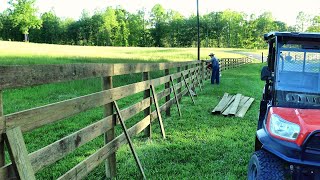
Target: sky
(282, 10)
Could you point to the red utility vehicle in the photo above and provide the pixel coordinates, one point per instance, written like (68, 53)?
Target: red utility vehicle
(288, 135)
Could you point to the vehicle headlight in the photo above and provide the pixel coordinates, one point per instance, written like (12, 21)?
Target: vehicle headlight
(283, 128)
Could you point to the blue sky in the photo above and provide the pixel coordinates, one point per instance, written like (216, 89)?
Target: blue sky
(282, 10)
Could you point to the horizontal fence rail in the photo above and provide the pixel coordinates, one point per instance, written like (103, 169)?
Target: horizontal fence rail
(186, 74)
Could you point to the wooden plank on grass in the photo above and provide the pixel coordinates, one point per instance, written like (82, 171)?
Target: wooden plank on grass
(225, 99)
(235, 104)
(226, 112)
(229, 102)
(243, 100)
(19, 154)
(245, 108)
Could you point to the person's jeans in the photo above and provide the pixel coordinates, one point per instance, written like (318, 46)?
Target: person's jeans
(215, 75)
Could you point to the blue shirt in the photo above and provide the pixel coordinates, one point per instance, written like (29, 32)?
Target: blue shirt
(215, 62)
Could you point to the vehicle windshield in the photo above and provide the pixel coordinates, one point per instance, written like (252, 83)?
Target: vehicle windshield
(298, 67)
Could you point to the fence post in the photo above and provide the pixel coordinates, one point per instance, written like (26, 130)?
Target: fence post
(179, 81)
(147, 111)
(2, 124)
(201, 71)
(167, 86)
(110, 163)
(187, 75)
(192, 78)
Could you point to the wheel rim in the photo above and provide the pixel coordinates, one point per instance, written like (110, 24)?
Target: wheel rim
(253, 172)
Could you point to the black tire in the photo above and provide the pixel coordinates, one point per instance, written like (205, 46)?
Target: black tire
(265, 166)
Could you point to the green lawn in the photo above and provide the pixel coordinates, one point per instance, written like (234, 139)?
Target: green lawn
(201, 145)
(198, 146)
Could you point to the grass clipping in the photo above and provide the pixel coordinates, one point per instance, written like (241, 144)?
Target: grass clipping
(236, 105)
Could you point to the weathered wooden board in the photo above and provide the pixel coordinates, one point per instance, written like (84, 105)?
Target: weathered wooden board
(2, 124)
(155, 100)
(30, 75)
(235, 104)
(125, 131)
(243, 100)
(229, 102)
(225, 99)
(192, 93)
(37, 117)
(59, 149)
(244, 108)
(87, 165)
(175, 96)
(19, 154)
(226, 112)
(120, 69)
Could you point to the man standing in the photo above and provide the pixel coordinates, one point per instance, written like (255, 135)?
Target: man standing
(215, 69)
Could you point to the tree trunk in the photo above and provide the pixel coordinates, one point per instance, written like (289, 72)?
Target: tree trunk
(26, 38)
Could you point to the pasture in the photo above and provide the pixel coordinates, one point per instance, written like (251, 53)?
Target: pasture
(198, 146)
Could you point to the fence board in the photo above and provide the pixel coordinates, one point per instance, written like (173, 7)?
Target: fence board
(59, 149)
(87, 165)
(29, 75)
(36, 117)
(19, 154)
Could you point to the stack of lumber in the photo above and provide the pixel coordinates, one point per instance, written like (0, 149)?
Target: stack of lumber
(236, 105)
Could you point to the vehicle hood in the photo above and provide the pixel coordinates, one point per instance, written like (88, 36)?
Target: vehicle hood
(307, 119)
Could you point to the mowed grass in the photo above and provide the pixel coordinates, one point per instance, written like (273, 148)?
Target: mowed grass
(198, 146)
(31, 53)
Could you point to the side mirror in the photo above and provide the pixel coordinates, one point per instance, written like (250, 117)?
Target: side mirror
(265, 73)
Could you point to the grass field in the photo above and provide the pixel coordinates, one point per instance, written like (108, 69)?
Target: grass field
(198, 145)
(31, 53)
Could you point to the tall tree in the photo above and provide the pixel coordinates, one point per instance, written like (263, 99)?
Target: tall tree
(23, 15)
(302, 21)
(159, 25)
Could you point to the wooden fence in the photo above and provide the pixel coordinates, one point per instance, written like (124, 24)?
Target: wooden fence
(183, 76)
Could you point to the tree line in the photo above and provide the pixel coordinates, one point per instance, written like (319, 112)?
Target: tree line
(158, 28)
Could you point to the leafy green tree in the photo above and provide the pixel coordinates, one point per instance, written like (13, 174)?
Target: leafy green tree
(302, 21)
(23, 15)
(121, 32)
(315, 27)
(159, 25)
(137, 28)
(51, 28)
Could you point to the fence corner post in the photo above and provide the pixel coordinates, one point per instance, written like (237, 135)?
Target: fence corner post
(147, 111)
(110, 163)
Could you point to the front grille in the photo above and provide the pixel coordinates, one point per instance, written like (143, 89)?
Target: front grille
(314, 143)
